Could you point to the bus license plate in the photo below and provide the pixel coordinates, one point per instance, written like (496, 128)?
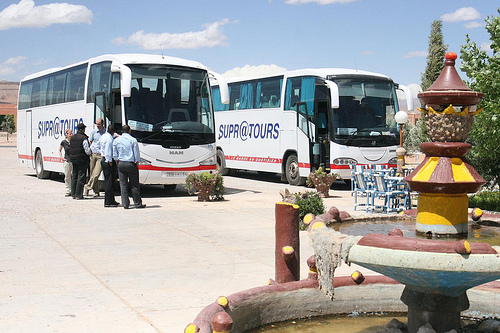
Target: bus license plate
(170, 174)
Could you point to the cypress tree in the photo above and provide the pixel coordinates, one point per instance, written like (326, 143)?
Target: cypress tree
(435, 56)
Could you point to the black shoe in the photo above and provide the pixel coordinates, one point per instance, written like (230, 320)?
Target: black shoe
(79, 198)
(141, 206)
(125, 207)
(112, 205)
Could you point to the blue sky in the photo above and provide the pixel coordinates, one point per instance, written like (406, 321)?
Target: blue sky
(384, 36)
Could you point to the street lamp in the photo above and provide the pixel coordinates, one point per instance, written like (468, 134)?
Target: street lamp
(401, 118)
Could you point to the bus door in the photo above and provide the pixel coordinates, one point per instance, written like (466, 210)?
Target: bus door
(321, 146)
(305, 124)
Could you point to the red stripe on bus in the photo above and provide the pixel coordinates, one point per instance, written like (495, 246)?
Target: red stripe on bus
(25, 157)
(254, 159)
(341, 167)
(197, 168)
(53, 159)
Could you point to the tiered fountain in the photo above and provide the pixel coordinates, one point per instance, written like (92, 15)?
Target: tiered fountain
(436, 274)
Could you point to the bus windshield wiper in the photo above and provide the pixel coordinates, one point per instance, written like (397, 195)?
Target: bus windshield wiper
(151, 136)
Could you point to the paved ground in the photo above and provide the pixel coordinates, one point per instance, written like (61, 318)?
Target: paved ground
(75, 266)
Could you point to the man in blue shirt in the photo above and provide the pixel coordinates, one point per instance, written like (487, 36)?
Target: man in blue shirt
(127, 156)
(95, 158)
(108, 165)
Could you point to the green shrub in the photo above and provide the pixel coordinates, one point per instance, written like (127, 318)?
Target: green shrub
(309, 202)
(485, 200)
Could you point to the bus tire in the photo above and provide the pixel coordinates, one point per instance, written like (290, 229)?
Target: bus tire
(39, 170)
(292, 171)
(221, 163)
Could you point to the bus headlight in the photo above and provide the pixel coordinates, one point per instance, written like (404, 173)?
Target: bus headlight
(393, 160)
(345, 161)
(144, 162)
(208, 161)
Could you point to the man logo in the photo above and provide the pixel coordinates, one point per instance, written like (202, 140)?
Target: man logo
(176, 152)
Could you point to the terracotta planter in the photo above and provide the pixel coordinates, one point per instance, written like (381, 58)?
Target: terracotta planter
(323, 183)
(204, 188)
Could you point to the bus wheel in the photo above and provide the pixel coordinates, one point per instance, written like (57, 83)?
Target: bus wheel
(40, 172)
(292, 171)
(221, 163)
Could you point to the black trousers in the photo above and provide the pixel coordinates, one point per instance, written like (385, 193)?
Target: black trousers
(128, 172)
(110, 172)
(78, 179)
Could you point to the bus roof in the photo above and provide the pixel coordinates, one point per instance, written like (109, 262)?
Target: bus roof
(320, 72)
(126, 59)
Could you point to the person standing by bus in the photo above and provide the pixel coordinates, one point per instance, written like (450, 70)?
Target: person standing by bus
(68, 166)
(127, 156)
(108, 165)
(95, 158)
(79, 152)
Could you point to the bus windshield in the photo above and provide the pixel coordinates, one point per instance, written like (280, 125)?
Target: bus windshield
(169, 104)
(365, 117)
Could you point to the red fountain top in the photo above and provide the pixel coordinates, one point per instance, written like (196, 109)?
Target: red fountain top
(449, 88)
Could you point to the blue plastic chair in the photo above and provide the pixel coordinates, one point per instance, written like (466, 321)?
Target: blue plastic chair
(361, 187)
(394, 195)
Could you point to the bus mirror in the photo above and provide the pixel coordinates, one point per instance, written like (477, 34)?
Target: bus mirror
(334, 94)
(125, 78)
(408, 95)
(224, 90)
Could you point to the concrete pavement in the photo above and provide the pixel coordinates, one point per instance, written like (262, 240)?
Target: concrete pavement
(75, 266)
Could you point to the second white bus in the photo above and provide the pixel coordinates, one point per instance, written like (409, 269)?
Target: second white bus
(296, 122)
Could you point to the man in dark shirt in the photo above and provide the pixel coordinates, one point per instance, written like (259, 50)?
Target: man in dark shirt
(79, 152)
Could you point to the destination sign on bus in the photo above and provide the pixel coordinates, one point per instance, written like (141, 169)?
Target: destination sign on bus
(245, 131)
(57, 127)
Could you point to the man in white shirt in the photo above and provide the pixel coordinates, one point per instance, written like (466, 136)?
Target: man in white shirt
(127, 156)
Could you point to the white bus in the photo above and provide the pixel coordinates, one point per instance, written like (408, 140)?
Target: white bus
(301, 120)
(166, 102)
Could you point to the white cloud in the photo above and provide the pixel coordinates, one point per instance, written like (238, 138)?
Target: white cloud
(367, 52)
(26, 15)
(11, 65)
(415, 54)
(474, 24)
(211, 36)
(248, 71)
(321, 2)
(462, 14)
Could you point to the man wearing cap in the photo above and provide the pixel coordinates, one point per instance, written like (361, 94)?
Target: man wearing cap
(79, 152)
(127, 156)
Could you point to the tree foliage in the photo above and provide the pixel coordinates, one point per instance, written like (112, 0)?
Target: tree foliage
(435, 56)
(483, 70)
(8, 124)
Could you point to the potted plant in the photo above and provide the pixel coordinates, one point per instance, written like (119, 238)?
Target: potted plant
(322, 181)
(206, 185)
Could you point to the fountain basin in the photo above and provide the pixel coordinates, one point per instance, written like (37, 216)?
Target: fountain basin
(426, 265)
(265, 305)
